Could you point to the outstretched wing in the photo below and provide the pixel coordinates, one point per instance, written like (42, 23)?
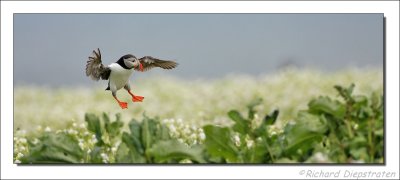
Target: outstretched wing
(149, 62)
(95, 69)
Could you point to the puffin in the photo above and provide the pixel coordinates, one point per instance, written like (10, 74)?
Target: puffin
(118, 73)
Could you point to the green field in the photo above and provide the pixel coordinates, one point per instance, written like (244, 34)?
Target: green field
(190, 110)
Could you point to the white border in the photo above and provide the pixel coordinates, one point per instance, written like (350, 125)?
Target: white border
(10, 171)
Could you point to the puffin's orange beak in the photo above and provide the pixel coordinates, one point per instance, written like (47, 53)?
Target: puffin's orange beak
(141, 67)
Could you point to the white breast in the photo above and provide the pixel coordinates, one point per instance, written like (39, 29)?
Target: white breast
(119, 76)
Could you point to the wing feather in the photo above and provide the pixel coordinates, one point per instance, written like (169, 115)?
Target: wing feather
(94, 67)
(149, 62)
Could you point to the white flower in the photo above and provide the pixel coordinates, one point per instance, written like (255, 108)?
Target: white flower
(358, 161)
(249, 143)
(186, 130)
(172, 128)
(236, 139)
(35, 141)
(47, 129)
(194, 142)
(202, 136)
(179, 121)
(113, 149)
(185, 161)
(94, 139)
(170, 121)
(273, 133)
(104, 157)
(82, 125)
(22, 148)
(20, 155)
(17, 161)
(193, 127)
(22, 140)
(74, 125)
(81, 145)
(255, 116)
(320, 158)
(355, 126)
(117, 143)
(259, 139)
(193, 136)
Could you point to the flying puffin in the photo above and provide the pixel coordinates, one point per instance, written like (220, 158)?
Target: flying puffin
(118, 73)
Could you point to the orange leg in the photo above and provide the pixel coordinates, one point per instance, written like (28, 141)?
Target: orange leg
(136, 98)
(123, 105)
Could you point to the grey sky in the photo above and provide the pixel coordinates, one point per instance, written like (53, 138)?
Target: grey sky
(52, 49)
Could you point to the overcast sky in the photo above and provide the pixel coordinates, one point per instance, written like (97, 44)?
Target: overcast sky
(52, 49)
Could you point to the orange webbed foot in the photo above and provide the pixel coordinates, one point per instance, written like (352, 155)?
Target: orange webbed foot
(137, 98)
(123, 105)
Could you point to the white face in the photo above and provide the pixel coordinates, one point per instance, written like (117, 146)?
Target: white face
(131, 62)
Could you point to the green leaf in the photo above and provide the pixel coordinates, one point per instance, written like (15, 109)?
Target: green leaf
(303, 143)
(358, 141)
(346, 93)
(219, 144)
(251, 107)
(134, 155)
(149, 128)
(285, 160)
(95, 155)
(162, 132)
(301, 135)
(173, 151)
(135, 136)
(271, 118)
(360, 100)
(306, 122)
(123, 154)
(113, 129)
(257, 154)
(55, 148)
(359, 153)
(328, 106)
(94, 126)
(241, 125)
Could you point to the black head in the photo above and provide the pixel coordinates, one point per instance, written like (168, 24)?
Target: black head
(128, 61)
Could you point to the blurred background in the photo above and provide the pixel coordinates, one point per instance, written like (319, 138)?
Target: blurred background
(225, 62)
(52, 49)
